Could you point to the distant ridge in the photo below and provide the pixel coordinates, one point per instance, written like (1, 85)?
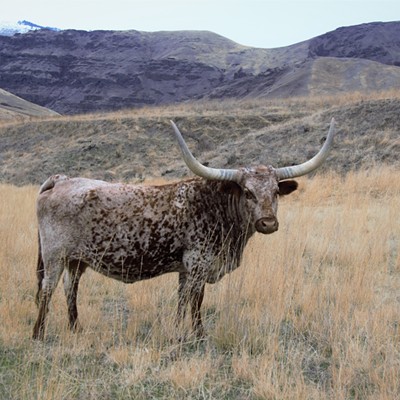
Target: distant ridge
(74, 71)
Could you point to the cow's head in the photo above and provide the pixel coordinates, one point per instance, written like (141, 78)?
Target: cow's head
(257, 192)
(258, 188)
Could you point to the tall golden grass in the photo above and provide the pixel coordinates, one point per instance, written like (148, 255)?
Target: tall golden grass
(312, 313)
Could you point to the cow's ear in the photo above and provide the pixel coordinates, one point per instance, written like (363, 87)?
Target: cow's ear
(233, 188)
(287, 187)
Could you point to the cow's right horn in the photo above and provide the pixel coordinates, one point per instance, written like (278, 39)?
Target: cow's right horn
(201, 170)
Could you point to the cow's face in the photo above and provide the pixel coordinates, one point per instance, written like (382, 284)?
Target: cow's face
(260, 191)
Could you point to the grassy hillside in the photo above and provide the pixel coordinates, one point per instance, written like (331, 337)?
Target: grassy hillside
(312, 313)
(13, 108)
(138, 144)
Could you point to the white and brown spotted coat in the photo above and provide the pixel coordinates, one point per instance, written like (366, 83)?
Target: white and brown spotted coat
(196, 227)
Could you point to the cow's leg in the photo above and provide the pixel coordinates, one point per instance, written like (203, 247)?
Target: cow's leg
(52, 274)
(196, 299)
(191, 286)
(39, 273)
(191, 290)
(71, 279)
(183, 298)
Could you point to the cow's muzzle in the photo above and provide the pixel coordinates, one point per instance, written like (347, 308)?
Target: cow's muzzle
(267, 225)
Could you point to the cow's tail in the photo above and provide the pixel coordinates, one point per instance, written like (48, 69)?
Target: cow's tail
(39, 272)
(51, 182)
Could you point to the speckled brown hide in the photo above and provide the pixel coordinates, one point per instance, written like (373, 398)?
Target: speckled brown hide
(197, 228)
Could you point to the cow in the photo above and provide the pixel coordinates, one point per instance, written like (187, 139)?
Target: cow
(197, 227)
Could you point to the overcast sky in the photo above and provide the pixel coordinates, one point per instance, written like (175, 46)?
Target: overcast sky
(257, 23)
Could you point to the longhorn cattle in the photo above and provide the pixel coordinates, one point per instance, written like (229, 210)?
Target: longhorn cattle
(197, 228)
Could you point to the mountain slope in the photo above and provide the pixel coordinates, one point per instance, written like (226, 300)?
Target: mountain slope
(78, 71)
(14, 108)
(377, 41)
(331, 75)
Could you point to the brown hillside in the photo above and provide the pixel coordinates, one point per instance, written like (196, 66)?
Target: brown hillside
(14, 108)
(136, 145)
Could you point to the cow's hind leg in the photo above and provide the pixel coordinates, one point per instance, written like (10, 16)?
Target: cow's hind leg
(72, 275)
(51, 276)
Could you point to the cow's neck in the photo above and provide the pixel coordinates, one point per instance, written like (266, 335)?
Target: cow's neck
(226, 210)
(229, 227)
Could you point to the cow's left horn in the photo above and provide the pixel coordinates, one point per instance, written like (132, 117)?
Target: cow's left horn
(201, 170)
(310, 165)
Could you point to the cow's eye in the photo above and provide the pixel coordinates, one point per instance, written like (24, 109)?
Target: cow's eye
(249, 194)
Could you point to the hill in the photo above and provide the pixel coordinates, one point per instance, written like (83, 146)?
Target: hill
(138, 144)
(75, 72)
(14, 108)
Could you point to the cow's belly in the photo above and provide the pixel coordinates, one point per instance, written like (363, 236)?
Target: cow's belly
(131, 268)
(129, 254)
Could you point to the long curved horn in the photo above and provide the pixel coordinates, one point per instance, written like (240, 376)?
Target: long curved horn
(310, 165)
(201, 170)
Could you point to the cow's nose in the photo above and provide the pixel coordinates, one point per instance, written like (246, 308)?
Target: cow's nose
(267, 225)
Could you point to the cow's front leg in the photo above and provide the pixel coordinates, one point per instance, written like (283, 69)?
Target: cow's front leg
(191, 290)
(196, 299)
(183, 299)
(192, 283)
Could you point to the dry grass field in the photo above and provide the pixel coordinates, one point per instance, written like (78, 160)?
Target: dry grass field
(312, 313)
